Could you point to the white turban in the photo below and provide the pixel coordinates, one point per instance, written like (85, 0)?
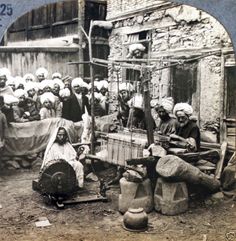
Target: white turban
(185, 107)
(126, 86)
(30, 85)
(47, 96)
(77, 81)
(85, 85)
(64, 92)
(167, 104)
(137, 46)
(19, 80)
(46, 83)
(10, 81)
(19, 93)
(102, 84)
(5, 71)
(29, 76)
(59, 82)
(10, 99)
(43, 71)
(56, 75)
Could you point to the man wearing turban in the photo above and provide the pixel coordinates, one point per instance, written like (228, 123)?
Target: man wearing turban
(78, 101)
(166, 124)
(187, 130)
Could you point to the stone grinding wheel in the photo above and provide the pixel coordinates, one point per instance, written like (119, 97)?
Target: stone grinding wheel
(57, 178)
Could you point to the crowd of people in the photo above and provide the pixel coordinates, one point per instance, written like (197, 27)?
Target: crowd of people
(176, 121)
(37, 97)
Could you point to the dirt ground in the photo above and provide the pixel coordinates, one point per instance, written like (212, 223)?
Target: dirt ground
(21, 207)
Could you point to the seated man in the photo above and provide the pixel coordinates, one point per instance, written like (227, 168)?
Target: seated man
(187, 130)
(59, 147)
(166, 124)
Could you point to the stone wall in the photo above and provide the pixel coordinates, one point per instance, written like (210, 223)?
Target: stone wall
(179, 33)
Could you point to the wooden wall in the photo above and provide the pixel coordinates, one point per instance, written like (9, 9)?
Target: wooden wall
(26, 60)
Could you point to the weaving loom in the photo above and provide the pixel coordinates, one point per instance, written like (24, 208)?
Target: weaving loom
(124, 145)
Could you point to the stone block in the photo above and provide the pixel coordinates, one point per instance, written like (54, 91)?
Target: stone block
(170, 198)
(135, 195)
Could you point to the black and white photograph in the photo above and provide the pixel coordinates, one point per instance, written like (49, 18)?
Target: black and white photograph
(117, 120)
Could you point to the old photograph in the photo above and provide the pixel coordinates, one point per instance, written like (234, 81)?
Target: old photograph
(117, 122)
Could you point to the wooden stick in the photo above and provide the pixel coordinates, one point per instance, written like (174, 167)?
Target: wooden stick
(221, 161)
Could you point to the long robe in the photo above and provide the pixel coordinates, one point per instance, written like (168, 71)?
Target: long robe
(66, 152)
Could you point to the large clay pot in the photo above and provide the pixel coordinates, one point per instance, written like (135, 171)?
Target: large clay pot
(135, 220)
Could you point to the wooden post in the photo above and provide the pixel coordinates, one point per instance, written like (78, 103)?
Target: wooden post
(81, 13)
(147, 107)
(92, 87)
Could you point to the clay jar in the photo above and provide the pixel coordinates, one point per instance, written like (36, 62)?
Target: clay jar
(135, 219)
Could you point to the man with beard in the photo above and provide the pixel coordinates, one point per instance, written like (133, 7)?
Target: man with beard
(60, 147)
(41, 74)
(4, 89)
(187, 130)
(20, 108)
(166, 124)
(79, 101)
(125, 92)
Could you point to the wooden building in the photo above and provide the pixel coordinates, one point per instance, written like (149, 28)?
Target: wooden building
(48, 36)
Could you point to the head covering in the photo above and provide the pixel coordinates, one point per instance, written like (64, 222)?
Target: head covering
(18, 81)
(10, 81)
(133, 47)
(59, 82)
(56, 75)
(43, 71)
(47, 96)
(185, 107)
(46, 83)
(64, 93)
(5, 71)
(154, 103)
(29, 76)
(167, 104)
(77, 81)
(85, 85)
(102, 84)
(136, 46)
(126, 86)
(52, 140)
(31, 85)
(19, 93)
(10, 99)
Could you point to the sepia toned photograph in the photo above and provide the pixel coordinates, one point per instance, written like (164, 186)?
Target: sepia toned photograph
(117, 121)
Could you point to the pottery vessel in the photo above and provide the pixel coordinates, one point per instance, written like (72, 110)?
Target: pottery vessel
(135, 219)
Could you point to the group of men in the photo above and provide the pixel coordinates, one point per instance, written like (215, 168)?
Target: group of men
(177, 121)
(33, 98)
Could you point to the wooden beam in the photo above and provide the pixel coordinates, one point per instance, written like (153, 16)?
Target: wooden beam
(19, 49)
(220, 164)
(81, 19)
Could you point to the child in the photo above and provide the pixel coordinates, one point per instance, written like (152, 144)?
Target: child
(32, 112)
(47, 101)
(3, 126)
